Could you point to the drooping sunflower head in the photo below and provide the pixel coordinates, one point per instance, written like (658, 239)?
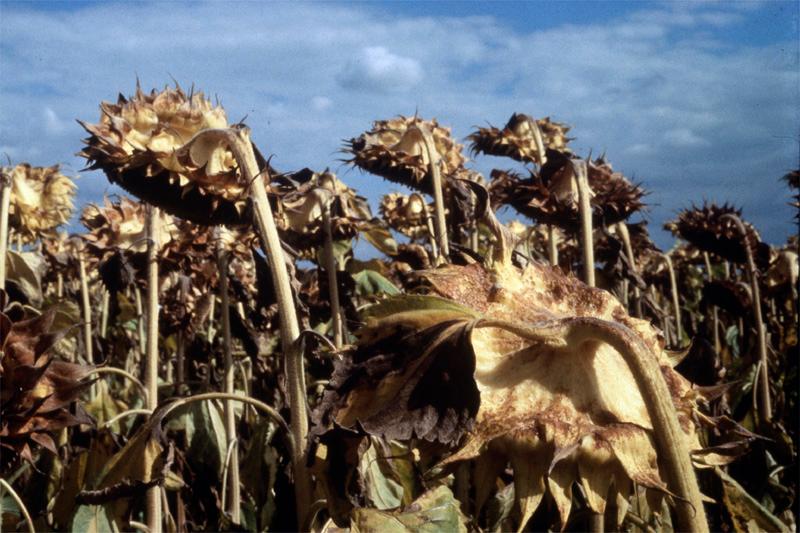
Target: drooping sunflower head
(461, 368)
(141, 144)
(517, 139)
(121, 225)
(394, 149)
(41, 200)
(708, 229)
(406, 213)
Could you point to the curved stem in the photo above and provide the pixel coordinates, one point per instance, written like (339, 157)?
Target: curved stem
(766, 403)
(440, 222)
(120, 372)
(233, 501)
(261, 406)
(671, 443)
(673, 286)
(151, 358)
(124, 414)
(584, 200)
(239, 143)
(20, 505)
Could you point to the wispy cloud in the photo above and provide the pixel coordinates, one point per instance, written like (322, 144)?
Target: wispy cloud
(665, 91)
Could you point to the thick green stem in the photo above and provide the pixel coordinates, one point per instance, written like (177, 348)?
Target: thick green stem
(234, 500)
(585, 206)
(330, 268)
(671, 442)
(239, 143)
(151, 358)
(104, 314)
(5, 205)
(764, 399)
(128, 375)
(673, 285)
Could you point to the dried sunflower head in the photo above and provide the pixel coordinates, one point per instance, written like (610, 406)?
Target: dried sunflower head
(37, 392)
(393, 149)
(407, 214)
(41, 200)
(517, 141)
(138, 144)
(551, 196)
(451, 368)
(120, 225)
(709, 230)
(793, 180)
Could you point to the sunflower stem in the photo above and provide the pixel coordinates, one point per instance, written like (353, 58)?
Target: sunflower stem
(440, 222)
(584, 200)
(715, 314)
(764, 399)
(104, 314)
(330, 268)
(673, 286)
(622, 228)
(123, 373)
(151, 357)
(20, 504)
(234, 499)
(86, 308)
(239, 143)
(552, 245)
(5, 205)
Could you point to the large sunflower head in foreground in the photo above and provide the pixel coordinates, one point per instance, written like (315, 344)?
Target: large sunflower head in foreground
(41, 200)
(141, 144)
(460, 367)
(394, 149)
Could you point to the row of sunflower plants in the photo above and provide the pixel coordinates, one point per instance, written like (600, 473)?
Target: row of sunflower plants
(210, 354)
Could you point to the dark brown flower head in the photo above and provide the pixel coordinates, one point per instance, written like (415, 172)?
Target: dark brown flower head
(393, 149)
(517, 141)
(793, 180)
(551, 197)
(37, 392)
(41, 200)
(731, 296)
(138, 141)
(707, 229)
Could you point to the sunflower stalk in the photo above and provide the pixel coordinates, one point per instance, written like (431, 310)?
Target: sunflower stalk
(673, 285)
(622, 228)
(552, 245)
(765, 407)
(330, 268)
(585, 206)
(233, 500)
(151, 356)
(440, 222)
(86, 309)
(239, 143)
(715, 314)
(5, 205)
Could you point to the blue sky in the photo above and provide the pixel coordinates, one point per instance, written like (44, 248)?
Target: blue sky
(695, 100)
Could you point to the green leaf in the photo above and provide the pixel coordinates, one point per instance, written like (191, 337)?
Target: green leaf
(412, 302)
(436, 510)
(205, 432)
(369, 283)
(24, 269)
(92, 519)
(382, 490)
(746, 512)
(380, 237)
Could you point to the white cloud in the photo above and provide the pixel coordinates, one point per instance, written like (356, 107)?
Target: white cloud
(375, 68)
(52, 124)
